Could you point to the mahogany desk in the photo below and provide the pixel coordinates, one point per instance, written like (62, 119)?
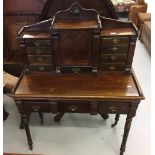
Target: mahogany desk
(107, 92)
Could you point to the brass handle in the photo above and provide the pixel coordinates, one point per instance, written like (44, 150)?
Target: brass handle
(39, 59)
(38, 51)
(113, 57)
(37, 43)
(76, 70)
(36, 108)
(73, 108)
(113, 108)
(115, 40)
(114, 49)
(112, 67)
(41, 68)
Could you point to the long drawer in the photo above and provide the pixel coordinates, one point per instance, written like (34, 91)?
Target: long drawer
(115, 40)
(40, 59)
(39, 51)
(114, 49)
(110, 58)
(113, 107)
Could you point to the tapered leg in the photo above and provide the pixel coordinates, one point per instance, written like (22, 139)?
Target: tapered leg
(126, 133)
(27, 130)
(116, 120)
(58, 117)
(41, 118)
(104, 116)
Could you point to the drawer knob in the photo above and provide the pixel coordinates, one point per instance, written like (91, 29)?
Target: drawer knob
(41, 68)
(113, 57)
(113, 108)
(114, 49)
(35, 108)
(39, 59)
(73, 108)
(112, 67)
(116, 41)
(37, 43)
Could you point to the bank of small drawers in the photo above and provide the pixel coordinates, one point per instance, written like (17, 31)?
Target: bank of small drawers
(113, 53)
(40, 56)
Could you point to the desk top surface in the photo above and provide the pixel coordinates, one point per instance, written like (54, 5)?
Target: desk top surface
(106, 85)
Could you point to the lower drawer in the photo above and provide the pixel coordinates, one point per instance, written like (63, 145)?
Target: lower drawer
(41, 68)
(113, 107)
(81, 107)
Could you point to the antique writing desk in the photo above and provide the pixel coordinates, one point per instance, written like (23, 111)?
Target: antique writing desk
(78, 62)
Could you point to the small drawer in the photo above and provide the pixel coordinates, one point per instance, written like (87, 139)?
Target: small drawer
(40, 59)
(114, 49)
(77, 107)
(37, 43)
(113, 58)
(75, 69)
(113, 107)
(41, 68)
(112, 66)
(115, 40)
(39, 51)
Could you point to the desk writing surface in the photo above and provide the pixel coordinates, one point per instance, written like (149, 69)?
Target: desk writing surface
(115, 85)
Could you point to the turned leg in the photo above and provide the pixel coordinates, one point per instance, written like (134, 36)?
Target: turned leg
(27, 130)
(126, 133)
(41, 118)
(58, 117)
(104, 116)
(116, 120)
(22, 123)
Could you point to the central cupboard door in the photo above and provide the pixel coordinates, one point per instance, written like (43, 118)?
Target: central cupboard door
(75, 47)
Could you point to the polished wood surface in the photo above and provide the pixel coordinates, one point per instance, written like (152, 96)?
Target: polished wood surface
(101, 86)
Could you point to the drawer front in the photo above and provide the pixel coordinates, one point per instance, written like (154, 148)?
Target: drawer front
(113, 107)
(110, 58)
(114, 49)
(112, 67)
(76, 69)
(41, 68)
(75, 107)
(38, 51)
(40, 59)
(115, 40)
(37, 43)
(34, 107)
